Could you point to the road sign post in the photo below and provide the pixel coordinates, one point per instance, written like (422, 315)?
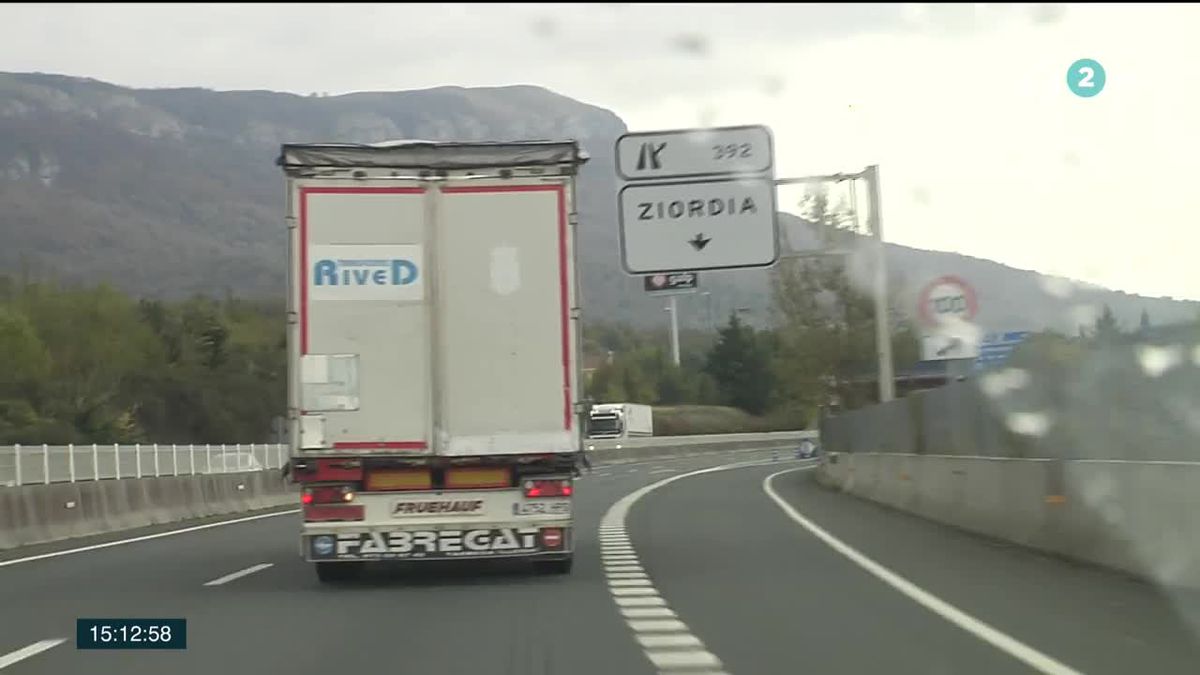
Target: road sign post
(883, 332)
(674, 310)
(883, 342)
(697, 199)
(672, 285)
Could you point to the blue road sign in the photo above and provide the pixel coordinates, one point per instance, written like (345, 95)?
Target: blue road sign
(996, 348)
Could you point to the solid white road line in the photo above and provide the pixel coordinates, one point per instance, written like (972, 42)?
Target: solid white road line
(108, 544)
(1005, 643)
(666, 641)
(32, 650)
(239, 574)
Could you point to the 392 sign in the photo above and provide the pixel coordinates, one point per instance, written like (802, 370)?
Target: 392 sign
(692, 153)
(732, 151)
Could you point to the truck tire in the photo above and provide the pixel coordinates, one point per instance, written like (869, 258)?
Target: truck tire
(556, 566)
(335, 572)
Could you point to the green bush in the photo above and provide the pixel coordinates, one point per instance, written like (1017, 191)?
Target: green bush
(689, 420)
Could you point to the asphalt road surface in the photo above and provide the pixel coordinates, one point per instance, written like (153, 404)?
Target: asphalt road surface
(705, 573)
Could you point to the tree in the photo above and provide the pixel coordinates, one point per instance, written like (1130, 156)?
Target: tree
(92, 365)
(1106, 331)
(826, 318)
(740, 365)
(1144, 324)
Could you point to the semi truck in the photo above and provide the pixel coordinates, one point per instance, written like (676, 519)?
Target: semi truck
(434, 405)
(620, 420)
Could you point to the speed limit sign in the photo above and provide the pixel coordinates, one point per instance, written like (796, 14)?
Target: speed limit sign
(947, 299)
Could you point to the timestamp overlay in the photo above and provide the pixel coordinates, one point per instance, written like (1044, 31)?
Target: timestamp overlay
(124, 633)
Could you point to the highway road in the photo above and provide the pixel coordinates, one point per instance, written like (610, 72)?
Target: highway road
(741, 570)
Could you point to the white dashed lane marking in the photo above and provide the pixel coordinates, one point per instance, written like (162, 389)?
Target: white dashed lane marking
(647, 613)
(34, 649)
(652, 601)
(667, 641)
(239, 574)
(661, 641)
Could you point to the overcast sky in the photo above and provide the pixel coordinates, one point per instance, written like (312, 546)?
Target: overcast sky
(983, 149)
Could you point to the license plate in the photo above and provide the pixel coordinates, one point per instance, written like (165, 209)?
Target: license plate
(562, 508)
(429, 544)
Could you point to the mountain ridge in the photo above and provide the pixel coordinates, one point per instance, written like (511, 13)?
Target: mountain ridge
(172, 191)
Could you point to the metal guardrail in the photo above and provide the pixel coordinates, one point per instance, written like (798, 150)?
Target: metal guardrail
(44, 464)
(602, 444)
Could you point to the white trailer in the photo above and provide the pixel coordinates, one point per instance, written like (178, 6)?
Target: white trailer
(620, 420)
(433, 351)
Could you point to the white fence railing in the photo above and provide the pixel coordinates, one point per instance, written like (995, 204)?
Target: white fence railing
(41, 464)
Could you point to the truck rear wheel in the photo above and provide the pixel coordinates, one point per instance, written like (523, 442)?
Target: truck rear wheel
(556, 566)
(335, 572)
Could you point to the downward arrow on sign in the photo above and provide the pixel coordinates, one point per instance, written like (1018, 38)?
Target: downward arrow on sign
(700, 242)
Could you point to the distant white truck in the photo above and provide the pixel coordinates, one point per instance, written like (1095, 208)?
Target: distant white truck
(433, 351)
(620, 420)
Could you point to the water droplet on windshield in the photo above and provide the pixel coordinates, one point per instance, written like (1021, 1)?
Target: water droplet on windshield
(1029, 423)
(1157, 360)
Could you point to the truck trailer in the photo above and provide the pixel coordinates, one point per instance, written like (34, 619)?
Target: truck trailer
(434, 406)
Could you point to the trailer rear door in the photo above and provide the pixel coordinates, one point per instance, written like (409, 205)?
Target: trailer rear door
(361, 260)
(505, 291)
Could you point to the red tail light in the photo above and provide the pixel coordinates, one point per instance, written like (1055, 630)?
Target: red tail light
(548, 488)
(552, 537)
(327, 494)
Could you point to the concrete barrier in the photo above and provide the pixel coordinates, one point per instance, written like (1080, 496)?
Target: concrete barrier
(35, 514)
(642, 449)
(1135, 517)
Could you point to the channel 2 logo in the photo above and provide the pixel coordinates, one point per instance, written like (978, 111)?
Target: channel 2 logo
(1086, 78)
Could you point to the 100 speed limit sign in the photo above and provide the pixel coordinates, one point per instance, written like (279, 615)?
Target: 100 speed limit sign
(947, 299)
